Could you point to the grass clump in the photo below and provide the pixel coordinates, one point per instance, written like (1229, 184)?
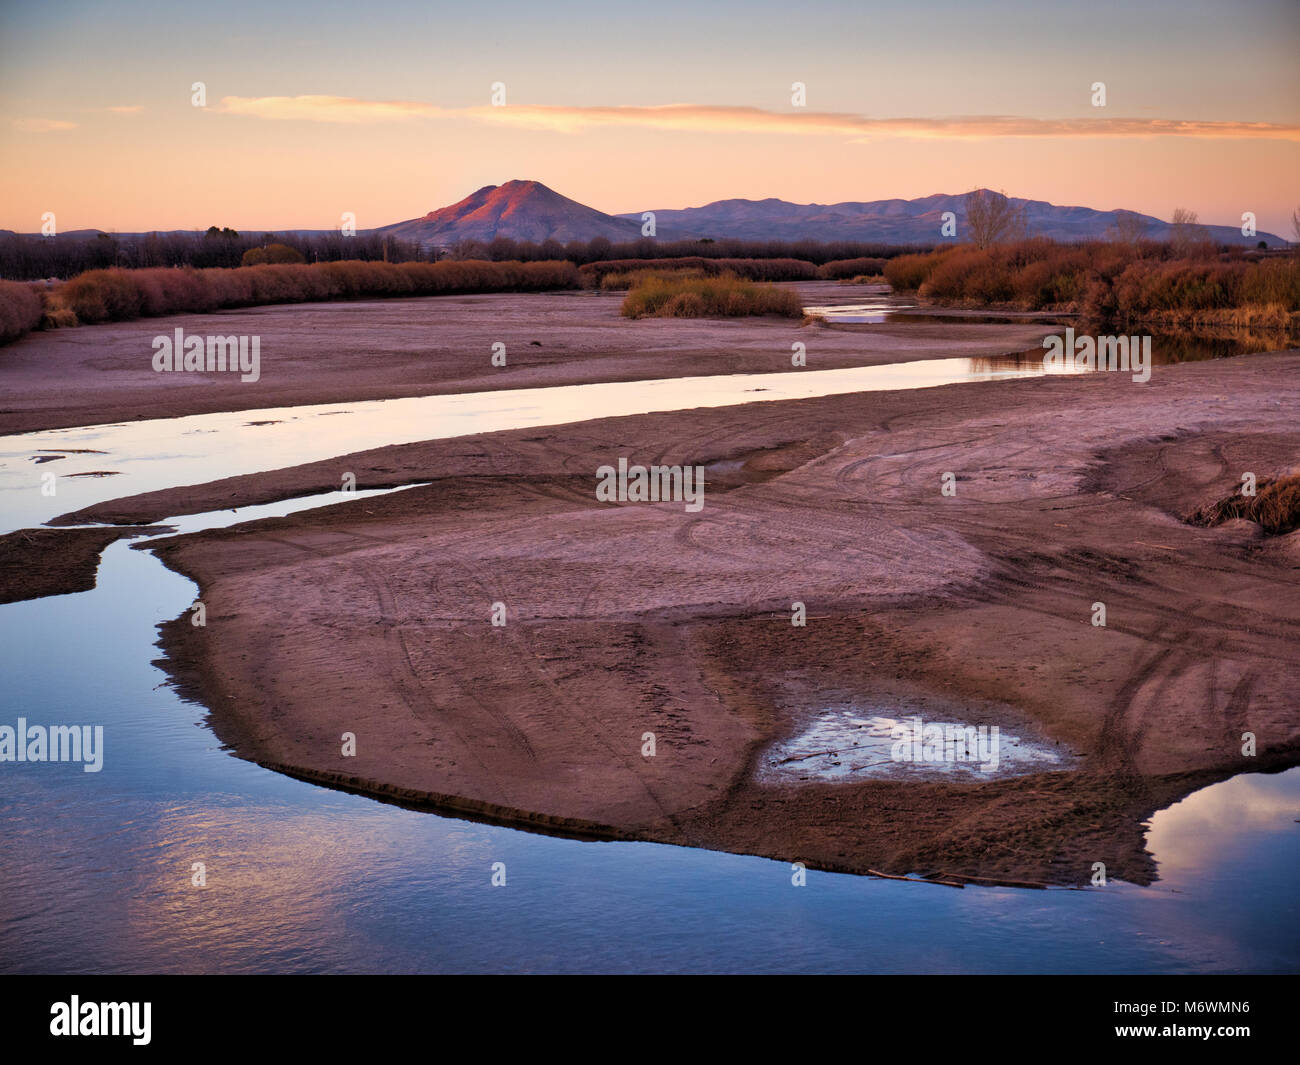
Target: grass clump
(1275, 506)
(674, 296)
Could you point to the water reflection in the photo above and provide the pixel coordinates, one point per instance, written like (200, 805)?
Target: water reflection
(95, 868)
(1167, 349)
(165, 452)
(156, 454)
(871, 311)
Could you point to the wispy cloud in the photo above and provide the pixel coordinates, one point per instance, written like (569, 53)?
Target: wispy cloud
(125, 109)
(690, 117)
(327, 108)
(42, 125)
(721, 119)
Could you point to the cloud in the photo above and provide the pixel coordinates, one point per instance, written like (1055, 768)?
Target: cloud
(327, 108)
(723, 119)
(690, 117)
(125, 109)
(42, 125)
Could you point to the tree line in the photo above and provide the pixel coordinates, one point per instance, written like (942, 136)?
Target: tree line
(28, 257)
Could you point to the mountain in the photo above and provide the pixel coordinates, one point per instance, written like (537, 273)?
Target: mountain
(901, 221)
(528, 210)
(521, 210)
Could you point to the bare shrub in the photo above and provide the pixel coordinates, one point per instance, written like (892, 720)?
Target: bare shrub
(992, 218)
(1189, 239)
(1128, 229)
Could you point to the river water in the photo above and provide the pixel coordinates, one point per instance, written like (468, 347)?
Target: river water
(97, 869)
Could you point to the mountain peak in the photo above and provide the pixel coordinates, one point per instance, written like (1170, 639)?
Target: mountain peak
(519, 209)
(528, 210)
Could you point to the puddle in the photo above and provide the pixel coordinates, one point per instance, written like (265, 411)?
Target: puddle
(905, 740)
(866, 312)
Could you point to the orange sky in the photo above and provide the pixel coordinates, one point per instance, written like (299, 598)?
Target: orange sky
(310, 114)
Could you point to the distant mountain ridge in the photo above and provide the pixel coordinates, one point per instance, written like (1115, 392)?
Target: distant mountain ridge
(897, 221)
(530, 211)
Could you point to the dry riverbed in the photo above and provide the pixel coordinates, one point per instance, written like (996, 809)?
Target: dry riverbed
(374, 617)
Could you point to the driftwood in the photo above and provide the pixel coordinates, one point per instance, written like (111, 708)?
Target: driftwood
(912, 879)
(959, 880)
(996, 882)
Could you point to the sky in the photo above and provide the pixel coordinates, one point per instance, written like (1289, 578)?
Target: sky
(385, 109)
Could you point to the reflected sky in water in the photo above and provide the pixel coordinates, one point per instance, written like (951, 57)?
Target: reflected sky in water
(148, 455)
(95, 868)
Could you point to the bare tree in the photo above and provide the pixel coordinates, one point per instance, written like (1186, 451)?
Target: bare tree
(1187, 237)
(991, 217)
(1295, 225)
(1128, 228)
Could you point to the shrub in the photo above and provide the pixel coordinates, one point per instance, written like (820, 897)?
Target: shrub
(907, 272)
(846, 269)
(58, 318)
(103, 296)
(20, 310)
(1104, 279)
(116, 295)
(622, 281)
(273, 254)
(618, 273)
(667, 296)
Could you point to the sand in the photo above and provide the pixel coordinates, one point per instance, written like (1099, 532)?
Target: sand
(41, 562)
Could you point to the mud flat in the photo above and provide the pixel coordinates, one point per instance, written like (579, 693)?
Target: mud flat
(42, 562)
(626, 619)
